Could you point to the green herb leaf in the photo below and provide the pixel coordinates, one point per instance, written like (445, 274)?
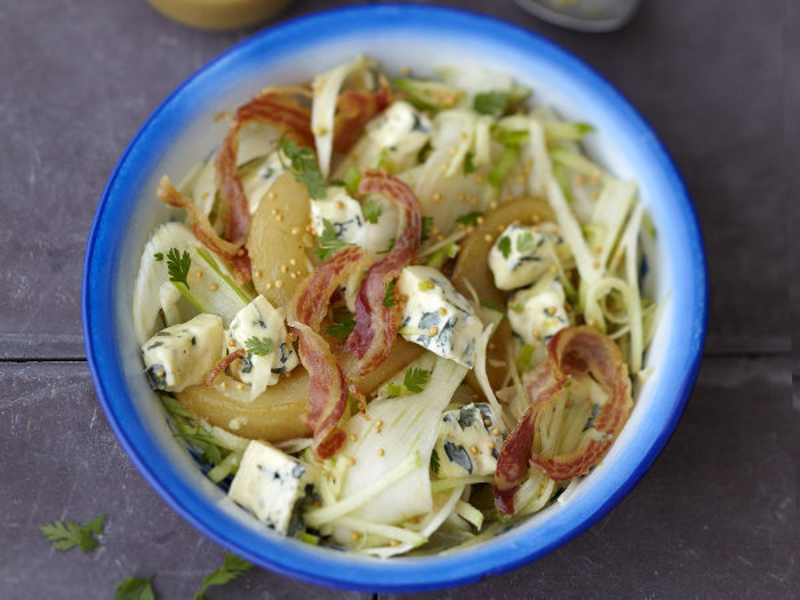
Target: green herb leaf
(415, 380)
(395, 390)
(178, 266)
(132, 588)
(435, 461)
(352, 179)
(491, 103)
(469, 218)
(389, 248)
(259, 346)
(372, 211)
(329, 243)
(231, 568)
(504, 246)
(493, 306)
(304, 167)
(384, 154)
(469, 165)
(66, 536)
(525, 243)
(343, 325)
(427, 223)
(212, 454)
(159, 256)
(388, 298)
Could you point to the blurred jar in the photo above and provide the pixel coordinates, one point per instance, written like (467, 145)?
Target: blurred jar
(219, 15)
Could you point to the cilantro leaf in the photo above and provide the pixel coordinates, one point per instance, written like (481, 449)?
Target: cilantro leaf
(415, 380)
(159, 256)
(212, 454)
(427, 223)
(132, 588)
(525, 243)
(435, 461)
(303, 166)
(469, 165)
(231, 568)
(469, 218)
(372, 211)
(491, 103)
(388, 298)
(389, 248)
(504, 245)
(259, 346)
(343, 324)
(178, 266)
(66, 536)
(329, 243)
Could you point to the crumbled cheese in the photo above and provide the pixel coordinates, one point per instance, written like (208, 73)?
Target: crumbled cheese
(521, 254)
(182, 355)
(401, 132)
(469, 441)
(270, 484)
(436, 316)
(262, 321)
(343, 212)
(536, 314)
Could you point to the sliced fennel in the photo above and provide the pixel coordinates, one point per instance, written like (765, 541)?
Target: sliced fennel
(408, 427)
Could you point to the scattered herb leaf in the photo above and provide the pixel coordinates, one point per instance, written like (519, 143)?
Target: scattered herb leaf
(212, 454)
(427, 224)
(469, 165)
(231, 568)
(372, 211)
(435, 461)
(351, 180)
(504, 245)
(469, 218)
(343, 324)
(491, 103)
(329, 243)
(159, 256)
(66, 536)
(178, 266)
(415, 380)
(303, 166)
(525, 243)
(259, 346)
(388, 298)
(132, 588)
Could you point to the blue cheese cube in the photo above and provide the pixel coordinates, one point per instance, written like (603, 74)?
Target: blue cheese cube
(257, 182)
(182, 355)
(260, 329)
(469, 441)
(344, 214)
(271, 485)
(536, 314)
(401, 132)
(522, 254)
(437, 317)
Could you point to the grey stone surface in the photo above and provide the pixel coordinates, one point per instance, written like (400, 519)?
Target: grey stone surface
(61, 461)
(716, 516)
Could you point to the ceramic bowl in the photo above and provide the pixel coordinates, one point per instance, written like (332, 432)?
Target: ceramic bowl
(181, 131)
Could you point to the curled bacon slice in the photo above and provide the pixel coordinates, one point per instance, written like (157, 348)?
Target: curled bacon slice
(273, 107)
(376, 327)
(575, 351)
(201, 226)
(354, 109)
(327, 383)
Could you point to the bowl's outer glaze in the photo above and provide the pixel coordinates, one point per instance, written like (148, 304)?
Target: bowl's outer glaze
(181, 132)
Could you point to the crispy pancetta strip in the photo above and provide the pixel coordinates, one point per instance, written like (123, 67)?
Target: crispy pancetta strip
(573, 352)
(354, 109)
(327, 383)
(376, 327)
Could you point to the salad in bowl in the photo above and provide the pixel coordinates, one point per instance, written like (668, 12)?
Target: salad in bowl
(397, 314)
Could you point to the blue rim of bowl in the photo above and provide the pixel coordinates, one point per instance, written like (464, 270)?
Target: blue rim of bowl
(339, 569)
